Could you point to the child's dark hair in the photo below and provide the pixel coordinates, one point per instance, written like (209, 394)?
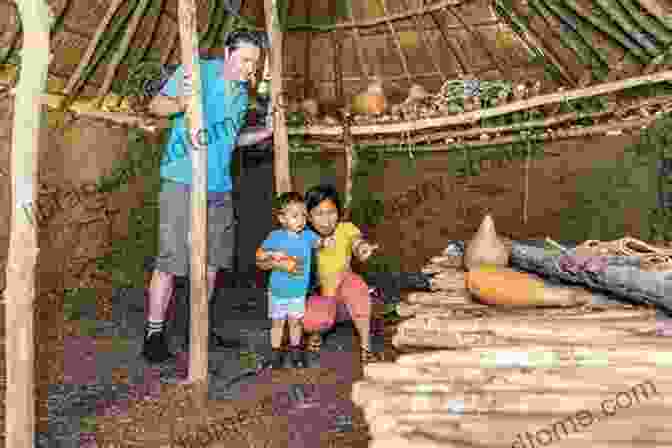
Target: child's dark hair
(285, 199)
(320, 193)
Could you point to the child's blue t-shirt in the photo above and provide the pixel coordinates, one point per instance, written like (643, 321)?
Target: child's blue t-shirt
(282, 284)
(225, 105)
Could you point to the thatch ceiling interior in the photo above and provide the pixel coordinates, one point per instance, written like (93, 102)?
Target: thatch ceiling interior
(98, 44)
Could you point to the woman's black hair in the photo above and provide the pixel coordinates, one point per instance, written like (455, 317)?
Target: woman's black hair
(320, 193)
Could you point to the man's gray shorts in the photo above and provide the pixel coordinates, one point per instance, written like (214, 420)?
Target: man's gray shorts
(174, 235)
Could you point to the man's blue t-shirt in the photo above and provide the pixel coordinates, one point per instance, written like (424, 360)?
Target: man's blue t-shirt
(225, 105)
(282, 284)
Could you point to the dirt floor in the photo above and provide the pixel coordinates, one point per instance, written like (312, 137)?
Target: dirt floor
(419, 233)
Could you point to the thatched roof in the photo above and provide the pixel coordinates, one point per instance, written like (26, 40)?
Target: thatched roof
(332, 46)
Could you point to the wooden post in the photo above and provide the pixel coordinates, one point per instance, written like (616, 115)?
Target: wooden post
(350, 163)
(19, 294)
(283, 182)
(198, 356)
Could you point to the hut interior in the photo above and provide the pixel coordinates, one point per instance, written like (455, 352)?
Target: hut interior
(550, 117)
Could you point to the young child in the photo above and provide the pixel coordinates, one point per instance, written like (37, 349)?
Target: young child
(287, 252)
(337, 282)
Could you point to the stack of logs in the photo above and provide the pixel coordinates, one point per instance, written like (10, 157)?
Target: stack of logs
(590, 376)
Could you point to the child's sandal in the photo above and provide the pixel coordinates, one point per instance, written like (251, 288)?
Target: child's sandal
(367, 356)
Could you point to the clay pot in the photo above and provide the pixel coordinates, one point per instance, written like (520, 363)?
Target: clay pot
(485, 248)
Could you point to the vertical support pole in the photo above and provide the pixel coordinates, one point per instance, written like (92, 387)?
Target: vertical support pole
(350, 162)
(283, 181)
(19, 294)
(198, 355)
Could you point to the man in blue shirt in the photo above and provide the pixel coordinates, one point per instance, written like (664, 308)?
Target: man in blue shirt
(224, 87)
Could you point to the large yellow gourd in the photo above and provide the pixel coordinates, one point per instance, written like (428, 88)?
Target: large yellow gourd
(503, 286)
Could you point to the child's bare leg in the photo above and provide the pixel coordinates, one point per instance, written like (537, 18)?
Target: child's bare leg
(295, 331)
(277, 330)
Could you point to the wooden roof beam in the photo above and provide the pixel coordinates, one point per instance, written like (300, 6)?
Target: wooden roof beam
(123, 47)
(480, 39)
(431, 50)
(395, 36)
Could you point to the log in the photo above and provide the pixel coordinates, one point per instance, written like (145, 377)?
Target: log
(524, 377)
(480, 310)
(364, 392)
(448, 284)
(494, 430)
(516, 327)
(537, 355)
(456, 297)
(466, 310)
(406, 441)
(19, 294)
(516, 402)
(435, 339)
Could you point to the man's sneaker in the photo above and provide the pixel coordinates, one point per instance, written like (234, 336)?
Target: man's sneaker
(277, 359)
(155, 349)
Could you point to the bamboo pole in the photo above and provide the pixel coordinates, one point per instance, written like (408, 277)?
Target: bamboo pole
(283, 182)
(37, 19)
(198, 351)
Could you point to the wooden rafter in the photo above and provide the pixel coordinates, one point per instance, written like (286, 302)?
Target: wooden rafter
(359, 48)
(395, 36)
(654, 8)
(76, 76)
(123, 48)
(175, 39)
(533, 40)
(306, 83)
(400, 15)
(477, 35)
(431, 50)
(14, 41)
(455, 51)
